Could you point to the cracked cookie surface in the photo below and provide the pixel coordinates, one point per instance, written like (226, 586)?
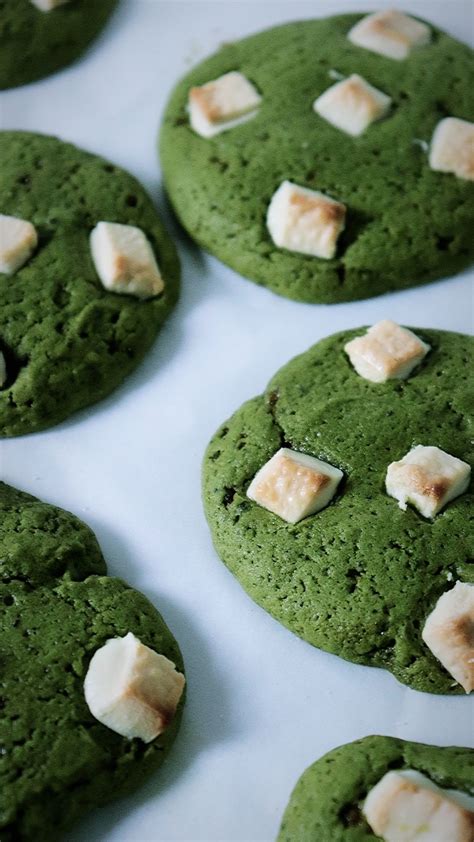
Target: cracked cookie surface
(405, 223)
(359, 578)
(57, 607)
(326, 802)
(66, 340)
(34, 44)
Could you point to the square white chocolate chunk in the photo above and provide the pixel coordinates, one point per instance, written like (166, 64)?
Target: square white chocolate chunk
(428, 478)
(294, 485)
(305, 221)
(132, 689)
(18, 240)
(386, 352)
(222, 104)
(48, 5)
(406, 806)
(452, 148)
(352, 105)
(449, 633)
(390, 33)
(124, 260)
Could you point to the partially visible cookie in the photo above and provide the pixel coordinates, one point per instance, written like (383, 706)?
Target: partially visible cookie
(35, 40)
(327, 803)
(340, 123)
(66, 339)
(343, 505)
(57, 608)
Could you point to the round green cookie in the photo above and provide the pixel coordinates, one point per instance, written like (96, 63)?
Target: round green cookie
(359, 577)
(67, 341)
(57, 607)
(406, 224)
(326, 802)
(34, 44)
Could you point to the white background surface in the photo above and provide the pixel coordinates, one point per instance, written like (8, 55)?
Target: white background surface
(262, 704)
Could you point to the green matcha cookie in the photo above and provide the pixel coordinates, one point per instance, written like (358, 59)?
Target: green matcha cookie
(35, 43)
(58, 607)
(327, 800)
(359, 577)
(405, 223)
(66, 340)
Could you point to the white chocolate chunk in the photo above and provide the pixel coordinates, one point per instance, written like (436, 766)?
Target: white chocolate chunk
(390, 33)
(449, 633)
(124, 260)
(305, 221)
(428, 478)
(386, 352)
(352, 105)
(294, 485)
(132, 689)
(452, 148)
(406, 806)
(222, 104)
(3, 370)
(18, 240)
(48, 5)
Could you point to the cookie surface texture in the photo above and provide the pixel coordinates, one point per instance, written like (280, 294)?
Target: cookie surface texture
(358, 578)
(398, 232)
(34, 44)
(326, 802)
(58, 607)
(67, 341)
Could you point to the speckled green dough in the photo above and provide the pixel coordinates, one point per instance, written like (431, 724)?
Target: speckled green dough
(326, 802)
(57, 607)
(67, 341)
(405, 225)
(34, 44)
(359, 578)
